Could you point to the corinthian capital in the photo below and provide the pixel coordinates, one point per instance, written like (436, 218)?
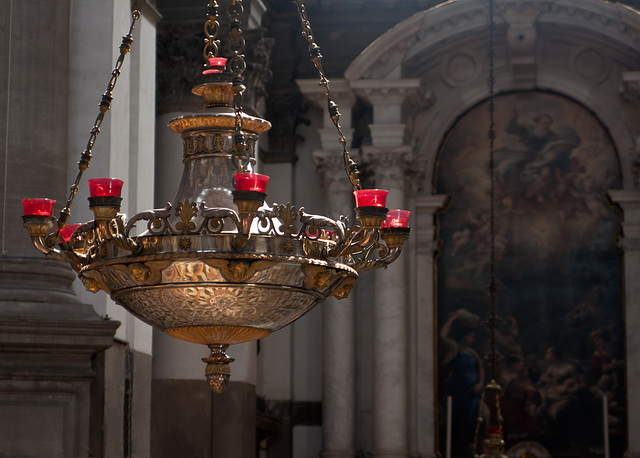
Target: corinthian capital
(330, 166)
(391, 165)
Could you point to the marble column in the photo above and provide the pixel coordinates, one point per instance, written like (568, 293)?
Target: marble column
(629, 202)
(338, 317)
(48, 338)
(390, 324)
(423, 409)
(388, 157)
(338, 324)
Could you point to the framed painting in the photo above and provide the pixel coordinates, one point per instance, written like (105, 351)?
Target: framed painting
(561, 297)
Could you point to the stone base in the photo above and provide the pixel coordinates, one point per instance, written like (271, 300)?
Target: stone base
(46, 379)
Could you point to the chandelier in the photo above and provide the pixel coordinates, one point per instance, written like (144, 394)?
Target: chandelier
(218, 266)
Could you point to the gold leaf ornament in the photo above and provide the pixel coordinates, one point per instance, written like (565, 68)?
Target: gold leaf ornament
(186, 211)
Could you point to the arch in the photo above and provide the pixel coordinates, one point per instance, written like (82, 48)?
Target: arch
(540, 44)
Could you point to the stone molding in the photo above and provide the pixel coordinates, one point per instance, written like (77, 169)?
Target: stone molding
(427, 28)
(391, 91)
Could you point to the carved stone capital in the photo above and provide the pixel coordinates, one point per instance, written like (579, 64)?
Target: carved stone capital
(391, 166)
(330, 166)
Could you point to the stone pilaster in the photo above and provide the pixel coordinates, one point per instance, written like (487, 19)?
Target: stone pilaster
(338, 330)
(629, 202)
(423, 409)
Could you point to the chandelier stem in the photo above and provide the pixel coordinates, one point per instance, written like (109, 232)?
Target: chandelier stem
(350, 166)
(105, 105)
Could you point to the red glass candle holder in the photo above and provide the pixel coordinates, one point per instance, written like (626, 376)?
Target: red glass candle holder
(251, 182)
(67, 231)
(396, 218)
(216, 65)
(371, 197)
(105, 187)
(40, 207)
(495, 430)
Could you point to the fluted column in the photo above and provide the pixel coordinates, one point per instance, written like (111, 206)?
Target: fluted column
(629, 201)
(338, 317)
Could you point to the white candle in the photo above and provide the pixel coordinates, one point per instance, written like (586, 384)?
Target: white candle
(449, 403)
(605, 414)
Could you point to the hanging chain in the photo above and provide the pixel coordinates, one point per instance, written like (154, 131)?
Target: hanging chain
(493, 322)
(105, 104)
(316, 57)
(242, 158)
(211, 30)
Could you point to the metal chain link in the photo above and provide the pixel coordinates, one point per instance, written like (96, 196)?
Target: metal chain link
(242, 158)
(211, 30)
(105, 104)
(350, 166)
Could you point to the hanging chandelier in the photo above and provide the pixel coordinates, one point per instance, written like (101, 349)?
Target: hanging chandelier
(218, 266)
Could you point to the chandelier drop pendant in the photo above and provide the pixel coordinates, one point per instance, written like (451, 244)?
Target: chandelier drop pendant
(217, 266)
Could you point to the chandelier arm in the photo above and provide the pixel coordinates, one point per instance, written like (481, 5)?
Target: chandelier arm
(314, 223)
(105, 105)
(158, 215)
(46, 244)
(383, 262)
(118, 235)
(350, 166)
(351, 244)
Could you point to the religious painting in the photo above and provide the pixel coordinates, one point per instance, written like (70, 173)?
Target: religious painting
(560, 300)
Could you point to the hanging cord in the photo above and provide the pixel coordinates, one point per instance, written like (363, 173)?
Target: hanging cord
(493, 322)
(350, 166)
(493, 357)
(105, 104)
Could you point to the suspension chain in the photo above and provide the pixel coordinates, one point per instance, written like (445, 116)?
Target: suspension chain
(242, 157)
(350, 166)
(105, 104)
(211, 30)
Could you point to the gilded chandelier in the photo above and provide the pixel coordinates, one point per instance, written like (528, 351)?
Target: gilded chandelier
(218, 266)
